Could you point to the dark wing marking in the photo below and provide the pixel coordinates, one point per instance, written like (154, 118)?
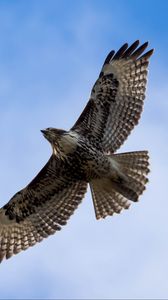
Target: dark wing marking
(117, 97)
(40, 209)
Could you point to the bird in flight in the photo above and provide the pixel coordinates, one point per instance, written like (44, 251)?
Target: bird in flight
(86, 155)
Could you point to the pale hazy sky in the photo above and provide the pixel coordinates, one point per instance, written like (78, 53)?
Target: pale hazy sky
(51, 53)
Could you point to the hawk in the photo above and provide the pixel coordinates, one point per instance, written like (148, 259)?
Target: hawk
(85, 155)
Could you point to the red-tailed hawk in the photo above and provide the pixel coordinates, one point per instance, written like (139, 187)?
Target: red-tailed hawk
(85, 155)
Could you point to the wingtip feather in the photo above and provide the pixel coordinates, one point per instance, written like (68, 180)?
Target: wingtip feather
(120, 52)
(132, 51)
(139, 51)
(148, 54)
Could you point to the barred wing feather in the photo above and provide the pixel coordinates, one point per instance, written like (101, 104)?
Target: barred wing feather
(39, 210)
(117, 98)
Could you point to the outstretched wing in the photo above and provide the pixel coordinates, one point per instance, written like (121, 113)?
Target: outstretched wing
(117, 98)
(40, 209)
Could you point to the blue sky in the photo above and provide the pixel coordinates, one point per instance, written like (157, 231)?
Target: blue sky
(50, 55)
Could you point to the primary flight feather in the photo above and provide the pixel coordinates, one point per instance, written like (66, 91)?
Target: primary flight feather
(85, 155)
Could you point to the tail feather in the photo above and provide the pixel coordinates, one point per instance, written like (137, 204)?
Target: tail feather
(112, 196)
(135, 166)
(106, 203)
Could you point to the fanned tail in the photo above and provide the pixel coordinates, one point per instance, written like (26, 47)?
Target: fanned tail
(112, 196)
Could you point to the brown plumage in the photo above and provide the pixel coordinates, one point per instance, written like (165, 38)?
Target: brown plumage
(85, 154)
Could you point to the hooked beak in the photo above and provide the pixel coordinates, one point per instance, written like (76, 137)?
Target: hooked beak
(44, 132)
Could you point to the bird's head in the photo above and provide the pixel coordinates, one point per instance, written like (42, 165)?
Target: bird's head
(62, 141)
(54, 136)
